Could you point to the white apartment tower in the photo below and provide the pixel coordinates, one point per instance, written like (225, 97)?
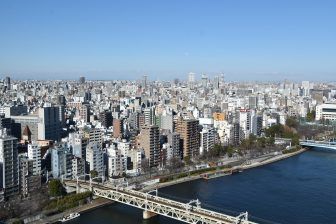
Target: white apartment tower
(95, 158)
(34, 153)
(149, 115)
(207, 139)
(117, 163)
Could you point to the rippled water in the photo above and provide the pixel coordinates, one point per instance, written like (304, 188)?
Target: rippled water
(301, 189)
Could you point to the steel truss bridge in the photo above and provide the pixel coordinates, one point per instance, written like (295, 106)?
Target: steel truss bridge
(320, 144)
(153, 204)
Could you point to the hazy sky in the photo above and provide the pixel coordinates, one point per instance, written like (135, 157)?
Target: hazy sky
(248, 39)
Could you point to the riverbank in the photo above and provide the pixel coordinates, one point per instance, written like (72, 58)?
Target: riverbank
(100, 202)
(272, 160)
(254, 163)
(96, 203)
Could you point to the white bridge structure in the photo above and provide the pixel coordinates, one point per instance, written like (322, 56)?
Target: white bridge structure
(320, 144)
(153, 204)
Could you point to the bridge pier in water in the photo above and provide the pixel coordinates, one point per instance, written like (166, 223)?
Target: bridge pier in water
(147, 214)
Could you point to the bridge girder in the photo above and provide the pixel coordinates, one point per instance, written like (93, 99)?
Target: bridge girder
(162, 206)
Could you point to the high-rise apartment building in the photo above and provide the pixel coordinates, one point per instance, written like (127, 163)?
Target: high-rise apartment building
(84, 112)
(28, 182)
(166, 122)
(81, 80)
(9, 165)
(245, 122)
(204, 80)
(95, 135)
(34, 154)
(207, 139)
(8, 82)
(61, 162)
(174, 142)
(189, 133)
(257, 122)
(253, 102)
(105, 118)
(116, 162)
(149, 116)
(150, 142)
(191, 80)
(78, 144)
(78, 167)
(118, 128)
(95, 158)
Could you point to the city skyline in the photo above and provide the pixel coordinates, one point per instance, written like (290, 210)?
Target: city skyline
(125, 39)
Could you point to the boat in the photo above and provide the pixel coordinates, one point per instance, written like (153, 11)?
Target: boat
(69, 217)
(237, 170)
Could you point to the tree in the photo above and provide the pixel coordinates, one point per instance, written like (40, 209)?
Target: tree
(94, 173)
(261, 142)
(174, 163)
(230, 150)
(145, 165)
(274, 130)
(252, 139)
(245, 144)
(56, 188)
(292, 122)
(216, 151)
(296, 140)
(311, 115)
(270, 141)
(187, 160)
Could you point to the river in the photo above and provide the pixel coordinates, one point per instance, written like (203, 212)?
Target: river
(300, 189)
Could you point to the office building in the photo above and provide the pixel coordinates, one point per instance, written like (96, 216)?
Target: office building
(49, 127)
(326, 112)
(21, 125)
(17, 110)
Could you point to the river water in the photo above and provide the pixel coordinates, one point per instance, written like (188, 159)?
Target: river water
(301, 189)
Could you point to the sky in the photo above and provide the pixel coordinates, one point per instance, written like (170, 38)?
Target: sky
(245, 40)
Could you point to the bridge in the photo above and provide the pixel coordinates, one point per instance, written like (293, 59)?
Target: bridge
(153, 204)
(320, 144)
